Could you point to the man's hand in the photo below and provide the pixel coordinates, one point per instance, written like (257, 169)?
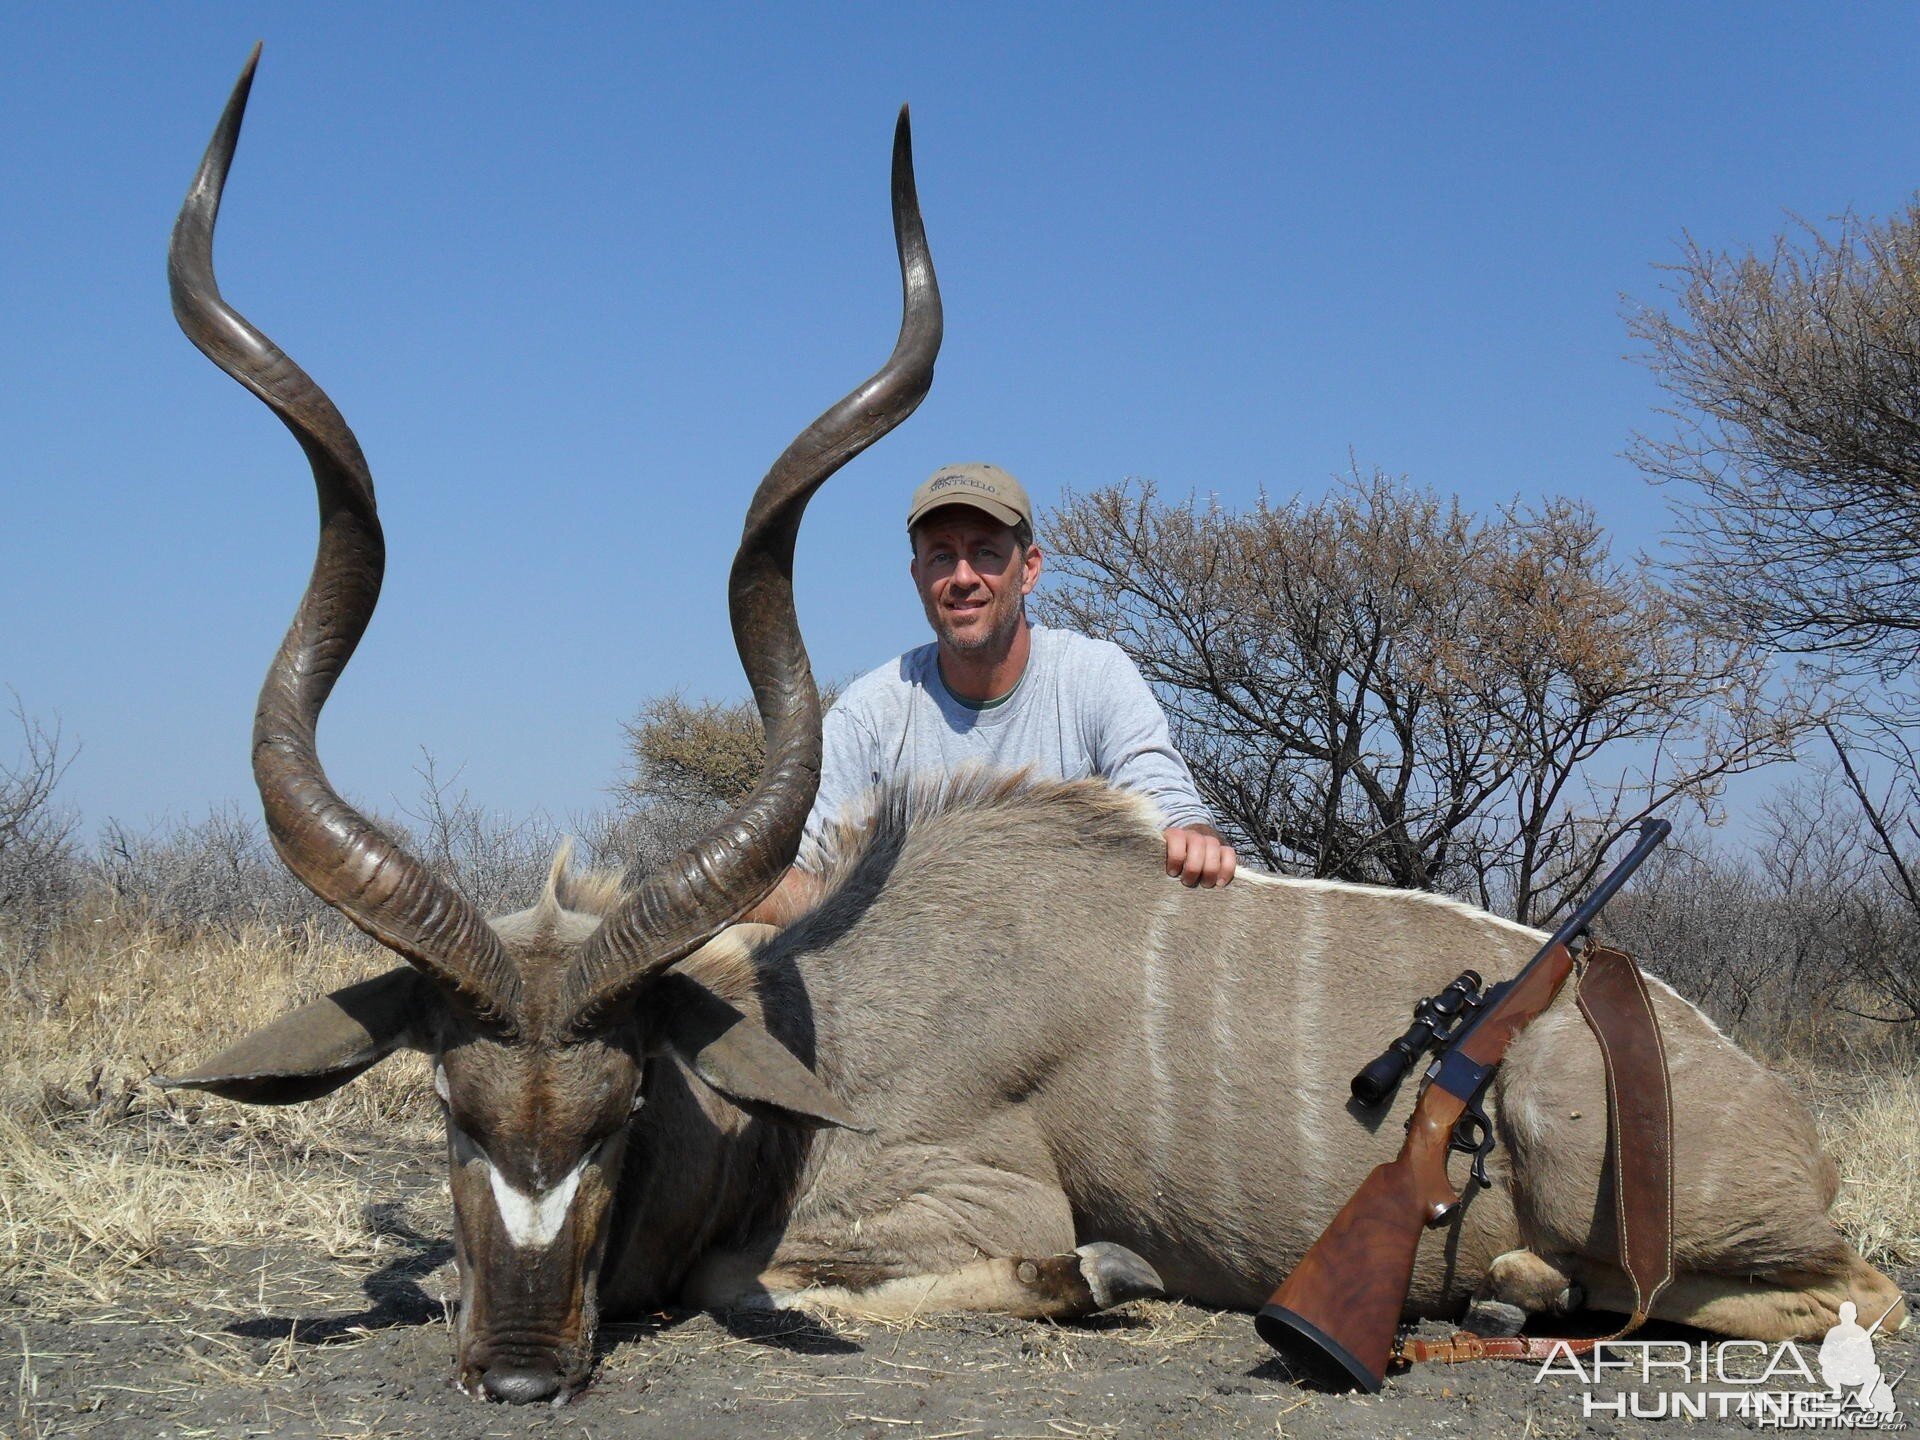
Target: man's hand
(1198, 855)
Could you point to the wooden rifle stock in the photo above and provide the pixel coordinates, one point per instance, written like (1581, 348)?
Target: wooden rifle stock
(1342, 1302)
(1339, 1310)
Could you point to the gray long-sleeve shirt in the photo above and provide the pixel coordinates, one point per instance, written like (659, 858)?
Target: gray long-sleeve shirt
(1080, 709)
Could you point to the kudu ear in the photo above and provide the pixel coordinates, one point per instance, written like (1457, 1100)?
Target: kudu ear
(319, 1047)
(736, 1056)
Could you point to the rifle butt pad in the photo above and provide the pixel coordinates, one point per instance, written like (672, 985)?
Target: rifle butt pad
(1311, 1349)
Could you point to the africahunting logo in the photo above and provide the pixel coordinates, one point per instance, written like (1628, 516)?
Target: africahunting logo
(1773, 1386)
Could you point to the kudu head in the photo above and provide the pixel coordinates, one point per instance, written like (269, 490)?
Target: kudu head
(539, 1030)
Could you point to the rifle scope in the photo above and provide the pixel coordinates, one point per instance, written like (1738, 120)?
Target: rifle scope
(1433, 1019)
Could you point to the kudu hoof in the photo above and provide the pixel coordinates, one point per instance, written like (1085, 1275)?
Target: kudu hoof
(1116, 1275)
(1493, 1319)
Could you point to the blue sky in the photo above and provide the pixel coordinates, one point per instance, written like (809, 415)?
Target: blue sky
(577, 273)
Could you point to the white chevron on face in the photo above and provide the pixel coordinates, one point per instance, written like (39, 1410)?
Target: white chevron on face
(531, 1221)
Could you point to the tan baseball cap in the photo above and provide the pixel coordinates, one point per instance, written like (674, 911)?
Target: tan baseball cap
(984, 487)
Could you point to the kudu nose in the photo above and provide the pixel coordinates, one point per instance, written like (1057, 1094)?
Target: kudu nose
(520, 1387)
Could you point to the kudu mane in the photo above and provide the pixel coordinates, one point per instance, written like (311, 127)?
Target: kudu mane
(961, 819)
(952, 819)
(572, 905)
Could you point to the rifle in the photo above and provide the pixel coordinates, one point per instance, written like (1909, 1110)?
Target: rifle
(1340, 1308)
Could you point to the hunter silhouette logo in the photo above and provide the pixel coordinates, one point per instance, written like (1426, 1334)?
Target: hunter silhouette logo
(1773, 1386)
(1848, 1365)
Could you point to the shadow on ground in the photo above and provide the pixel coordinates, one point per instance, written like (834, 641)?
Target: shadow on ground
(393, 1291)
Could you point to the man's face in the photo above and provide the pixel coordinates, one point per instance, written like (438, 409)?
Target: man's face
(971, 577)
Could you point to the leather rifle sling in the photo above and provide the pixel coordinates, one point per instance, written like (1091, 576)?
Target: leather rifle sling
(1613, 997)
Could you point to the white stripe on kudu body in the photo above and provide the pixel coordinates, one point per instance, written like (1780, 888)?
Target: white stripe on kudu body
(1155, 1015)
(1222, 1099)
(531, 1221)
(1304, 1057)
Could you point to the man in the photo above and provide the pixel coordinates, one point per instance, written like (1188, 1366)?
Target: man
(995, 690)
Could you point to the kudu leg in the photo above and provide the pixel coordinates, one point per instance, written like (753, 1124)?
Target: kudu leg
(1773, 1308)
(1788, 1306)
(1080, 1282)
(1517, 1285)
(982, 1239)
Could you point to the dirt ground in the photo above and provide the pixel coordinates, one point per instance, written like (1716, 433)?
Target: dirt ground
(294, 1342)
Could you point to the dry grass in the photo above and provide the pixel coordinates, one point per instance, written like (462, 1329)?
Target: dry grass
(104, 1177)
(106, 1182)
(1870, 1116)
(115, 1001)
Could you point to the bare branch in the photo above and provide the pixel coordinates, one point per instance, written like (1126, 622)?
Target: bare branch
(1796, 378)
(1379, 686)
(36, 842)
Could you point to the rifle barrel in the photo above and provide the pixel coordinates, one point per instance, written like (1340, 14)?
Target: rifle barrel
(1652, 833)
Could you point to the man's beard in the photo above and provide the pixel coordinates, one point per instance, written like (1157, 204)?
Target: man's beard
(997, 638)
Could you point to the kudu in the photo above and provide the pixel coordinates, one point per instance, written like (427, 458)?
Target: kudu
(1044, 1077)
